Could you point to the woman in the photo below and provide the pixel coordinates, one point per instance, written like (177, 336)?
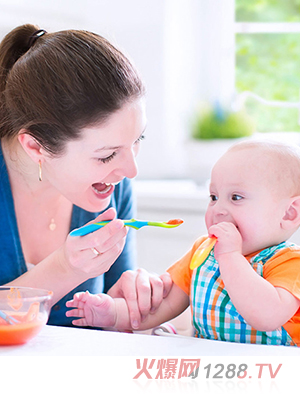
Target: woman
(72, 116)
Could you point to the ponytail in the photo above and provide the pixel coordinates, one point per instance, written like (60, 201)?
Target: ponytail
(12, 47)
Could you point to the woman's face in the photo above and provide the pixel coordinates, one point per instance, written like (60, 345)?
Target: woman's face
(104, 155)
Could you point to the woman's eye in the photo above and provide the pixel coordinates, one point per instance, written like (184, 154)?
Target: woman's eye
(110, 157)
(236, 197)
(107, 159)
(213, 197)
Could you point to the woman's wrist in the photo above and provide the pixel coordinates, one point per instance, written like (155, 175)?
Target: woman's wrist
(66, 269)
(52, 274)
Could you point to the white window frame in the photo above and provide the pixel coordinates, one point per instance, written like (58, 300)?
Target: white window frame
(267, 27)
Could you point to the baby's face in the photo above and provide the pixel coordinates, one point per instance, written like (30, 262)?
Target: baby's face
(242, 192)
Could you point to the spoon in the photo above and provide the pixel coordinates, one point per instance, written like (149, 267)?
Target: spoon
(30, 316)
(137, 224)
(202, 252)
(8, 319)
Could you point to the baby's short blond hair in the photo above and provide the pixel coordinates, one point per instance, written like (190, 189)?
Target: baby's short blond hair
(280, 159)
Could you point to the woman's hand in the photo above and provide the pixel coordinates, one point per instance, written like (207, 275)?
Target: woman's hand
(93, 254)
(142, 291)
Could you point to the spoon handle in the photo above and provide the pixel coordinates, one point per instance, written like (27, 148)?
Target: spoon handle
(8, 319)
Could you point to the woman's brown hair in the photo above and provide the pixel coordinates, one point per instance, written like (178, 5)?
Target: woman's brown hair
(55, 84)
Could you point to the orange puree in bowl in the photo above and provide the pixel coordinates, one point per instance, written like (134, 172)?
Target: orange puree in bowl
(19, 333)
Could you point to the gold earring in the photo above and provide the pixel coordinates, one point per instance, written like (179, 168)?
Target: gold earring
(40, 170)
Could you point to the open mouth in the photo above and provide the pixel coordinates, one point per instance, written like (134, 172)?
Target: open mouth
(102, 188)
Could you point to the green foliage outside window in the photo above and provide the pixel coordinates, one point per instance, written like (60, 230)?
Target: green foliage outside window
(216, 122)
(269, 64)
(267, 10)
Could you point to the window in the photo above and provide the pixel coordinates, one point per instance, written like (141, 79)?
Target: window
(267, 34)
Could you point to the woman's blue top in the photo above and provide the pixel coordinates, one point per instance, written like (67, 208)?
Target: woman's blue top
(12, 262)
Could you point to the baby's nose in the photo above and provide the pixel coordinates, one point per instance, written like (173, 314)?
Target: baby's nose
(220, 210)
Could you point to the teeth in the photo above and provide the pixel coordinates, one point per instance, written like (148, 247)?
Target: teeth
(108, 187)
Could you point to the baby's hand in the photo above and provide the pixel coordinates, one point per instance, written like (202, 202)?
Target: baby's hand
(229, 239)
(96, 310)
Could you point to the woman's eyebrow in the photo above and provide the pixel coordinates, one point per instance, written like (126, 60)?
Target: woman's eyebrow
(108, 148)
(115, 147)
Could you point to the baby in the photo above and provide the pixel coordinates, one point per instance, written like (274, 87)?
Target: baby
(248, 288)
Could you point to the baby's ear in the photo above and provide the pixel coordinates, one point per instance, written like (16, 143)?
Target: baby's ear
(291, 218)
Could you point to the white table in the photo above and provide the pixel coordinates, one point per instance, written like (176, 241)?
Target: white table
(64, 341)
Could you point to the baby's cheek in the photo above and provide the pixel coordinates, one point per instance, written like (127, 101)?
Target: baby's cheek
(207, 219)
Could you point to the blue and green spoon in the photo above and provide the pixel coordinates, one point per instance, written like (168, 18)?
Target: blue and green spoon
(136, 224)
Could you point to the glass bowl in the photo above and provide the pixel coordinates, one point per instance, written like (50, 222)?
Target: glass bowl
(23, 313)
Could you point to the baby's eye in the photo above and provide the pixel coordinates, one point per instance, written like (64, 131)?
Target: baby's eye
(142, 137)
(236, 197)
(213, 197)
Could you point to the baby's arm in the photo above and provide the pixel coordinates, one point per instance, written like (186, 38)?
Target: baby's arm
(101, 310)
(262, 305)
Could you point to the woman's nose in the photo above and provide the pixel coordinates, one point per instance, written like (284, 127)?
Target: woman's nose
(128, 166)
